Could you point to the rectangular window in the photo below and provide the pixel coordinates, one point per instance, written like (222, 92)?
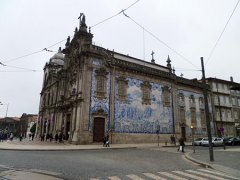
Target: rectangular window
(122, 89)
(193, 117)
(146, 93)
(238, 101)
(203, 120)
(100, 84)
(233, 101)
(182, 116)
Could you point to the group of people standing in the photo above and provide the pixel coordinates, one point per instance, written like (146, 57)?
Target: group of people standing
(5, 136)
(58, 137)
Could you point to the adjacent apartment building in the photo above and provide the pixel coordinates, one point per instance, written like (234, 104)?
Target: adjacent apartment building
(226, 106)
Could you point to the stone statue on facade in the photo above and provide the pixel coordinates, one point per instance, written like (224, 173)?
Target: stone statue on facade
(82, 19)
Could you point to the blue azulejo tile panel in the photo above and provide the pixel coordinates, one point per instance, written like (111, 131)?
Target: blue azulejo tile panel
(99, 104)
(134, 117)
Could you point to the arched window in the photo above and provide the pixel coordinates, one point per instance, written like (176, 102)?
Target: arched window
(192, 102)
(181, 101)
(191, 99)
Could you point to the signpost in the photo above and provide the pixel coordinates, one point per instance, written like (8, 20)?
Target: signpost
(193, 138)
(158, 131)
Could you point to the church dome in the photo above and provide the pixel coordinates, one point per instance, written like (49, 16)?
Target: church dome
(58, 58)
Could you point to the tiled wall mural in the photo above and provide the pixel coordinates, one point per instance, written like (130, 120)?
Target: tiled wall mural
(135, 117)
(97, 104)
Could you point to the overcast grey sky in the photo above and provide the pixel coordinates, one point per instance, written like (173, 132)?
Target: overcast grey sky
(190, 27)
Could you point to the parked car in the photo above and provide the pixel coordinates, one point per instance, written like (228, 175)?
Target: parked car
(198, 141)
(233, 141)
(204, 142)
(215, 141)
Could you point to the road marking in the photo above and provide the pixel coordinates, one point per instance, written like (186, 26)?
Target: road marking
(114, 178)
(172, 176)
(134, 177)
(204, 174)
(190, 175)
(218, 173)
(94, 179)
(153, 176)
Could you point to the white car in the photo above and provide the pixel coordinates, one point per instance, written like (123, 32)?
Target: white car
(198, 141)
(204, 142)
(215, 141)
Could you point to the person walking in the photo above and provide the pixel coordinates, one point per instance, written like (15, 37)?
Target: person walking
(104, 140)
(33, 136)
(107, 141)
(11, 136)
(20, 137)
(174, 140)
(181, 144)
(171, 138)
(1, 136)
(56, 137)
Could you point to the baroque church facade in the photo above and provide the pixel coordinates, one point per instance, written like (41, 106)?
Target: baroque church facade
(89, 91)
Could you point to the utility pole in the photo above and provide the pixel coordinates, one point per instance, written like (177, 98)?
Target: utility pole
(207, 112)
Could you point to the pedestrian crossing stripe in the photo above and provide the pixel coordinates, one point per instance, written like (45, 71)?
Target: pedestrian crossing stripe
(189, 175)
(153, 176)
(204, 174)
(198, 174)
(134, 177)
(172, 176)
(114, 178)
(218, 173)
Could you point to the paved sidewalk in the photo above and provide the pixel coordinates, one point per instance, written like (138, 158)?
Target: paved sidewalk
(226, 161)
(37, 145)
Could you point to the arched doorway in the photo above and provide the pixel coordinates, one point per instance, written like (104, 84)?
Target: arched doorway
(98, 129)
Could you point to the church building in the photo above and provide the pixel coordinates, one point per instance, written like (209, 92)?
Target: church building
(89, 91)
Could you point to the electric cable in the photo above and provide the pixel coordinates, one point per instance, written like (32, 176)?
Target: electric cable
(160, 40)
(114, 15)
(21, 68)
(46, 49)
(215, 45)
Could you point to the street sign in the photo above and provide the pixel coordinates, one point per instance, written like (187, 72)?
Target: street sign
(221, 129)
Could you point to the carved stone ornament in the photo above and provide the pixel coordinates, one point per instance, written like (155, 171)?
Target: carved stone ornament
(99, 112)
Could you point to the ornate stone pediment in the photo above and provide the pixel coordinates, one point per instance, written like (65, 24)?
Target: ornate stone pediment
(99, 112)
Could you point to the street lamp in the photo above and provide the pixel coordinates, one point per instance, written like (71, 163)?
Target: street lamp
(7, 107)
(193, 138)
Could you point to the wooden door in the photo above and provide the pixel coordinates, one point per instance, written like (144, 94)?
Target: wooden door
(184, 133)
(68, 125)
(98, 129)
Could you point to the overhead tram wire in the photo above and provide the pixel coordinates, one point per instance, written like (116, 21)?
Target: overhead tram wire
(115, 14)
(160, 40)
(22, 68)
(10, 60)
(36, 52)
(215, 45)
